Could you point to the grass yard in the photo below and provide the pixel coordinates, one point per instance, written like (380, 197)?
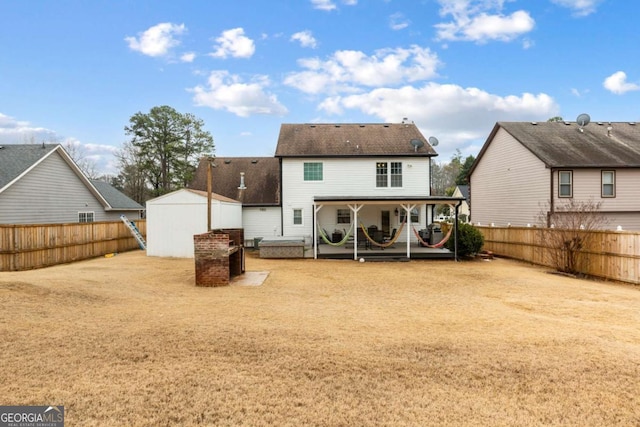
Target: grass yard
(130, 341)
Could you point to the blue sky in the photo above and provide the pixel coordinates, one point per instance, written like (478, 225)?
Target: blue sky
(76, 71)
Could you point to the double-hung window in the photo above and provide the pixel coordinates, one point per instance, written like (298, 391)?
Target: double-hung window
(388, 174)
(381, 174)
(608, 184)
(297, 217)
(415, 215)
(344, 216)
(565, 183)
(313, 171)
(85, 216)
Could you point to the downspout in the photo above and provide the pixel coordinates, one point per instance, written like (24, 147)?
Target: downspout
(455, 235)
(551, 201)
(281, 201)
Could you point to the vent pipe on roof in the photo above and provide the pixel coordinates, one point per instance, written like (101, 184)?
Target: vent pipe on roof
(242, 186)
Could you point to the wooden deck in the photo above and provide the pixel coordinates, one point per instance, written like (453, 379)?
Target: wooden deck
(396, 252)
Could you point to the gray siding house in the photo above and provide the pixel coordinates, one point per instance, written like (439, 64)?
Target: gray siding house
(527, 170)
(41, 184)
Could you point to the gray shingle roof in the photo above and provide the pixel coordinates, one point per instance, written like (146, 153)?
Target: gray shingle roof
(562, 144)
(114, 197)
(261, 177)
(347, 139)
(15, 159)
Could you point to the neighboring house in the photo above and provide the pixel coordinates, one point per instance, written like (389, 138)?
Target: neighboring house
(253, 181)
(334, 175)
(174, 218)
(525, 171)
(464, 212)
(40, 184)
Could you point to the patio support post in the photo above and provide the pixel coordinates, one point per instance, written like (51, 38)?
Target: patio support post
(314, 234)
(355, 209)
(407, 213)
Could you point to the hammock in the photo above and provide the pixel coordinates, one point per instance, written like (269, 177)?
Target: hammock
(436, 245)
(324, 237)
(386, 244)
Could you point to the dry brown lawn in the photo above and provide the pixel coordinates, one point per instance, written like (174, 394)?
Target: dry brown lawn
(130, 341)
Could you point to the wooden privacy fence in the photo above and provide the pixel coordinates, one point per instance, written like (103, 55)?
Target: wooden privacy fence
(28, 246)
(607, 254)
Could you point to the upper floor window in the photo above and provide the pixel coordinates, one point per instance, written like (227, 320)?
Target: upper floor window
(608, 184)
(565, 183)
(344, 216)
(389, 172)
(381, 174)
(396, 174)
(313, 171)
(85, 216)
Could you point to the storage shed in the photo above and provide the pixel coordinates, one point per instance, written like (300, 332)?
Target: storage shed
(173, 220)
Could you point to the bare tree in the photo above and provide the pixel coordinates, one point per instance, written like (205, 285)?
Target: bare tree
(132, 179)
(567, 231)
(77, 153)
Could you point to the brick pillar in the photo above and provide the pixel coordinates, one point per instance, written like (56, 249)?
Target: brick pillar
(211, 252)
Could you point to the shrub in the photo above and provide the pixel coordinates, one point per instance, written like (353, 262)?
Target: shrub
(470, 240)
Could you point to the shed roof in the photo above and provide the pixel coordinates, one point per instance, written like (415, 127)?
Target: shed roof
(261, 179)
(564, 144)
(352, 140)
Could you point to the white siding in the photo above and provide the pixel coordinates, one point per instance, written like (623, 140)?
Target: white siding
(346, 177)
(173, 220)
(509, 184)
(261, 222)
(50, 193)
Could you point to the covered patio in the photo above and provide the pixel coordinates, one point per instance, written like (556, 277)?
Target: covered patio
(405, 242)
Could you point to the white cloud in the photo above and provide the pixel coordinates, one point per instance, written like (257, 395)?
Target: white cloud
(453, 113)
(14, 131)
(481, 21)
(617, 83)
(397, 21)
(346, 70)
(235, 44)
(329, 5)
(225, 91)
(305, 38)
(579, 7)
(157, 40)
(188, 57)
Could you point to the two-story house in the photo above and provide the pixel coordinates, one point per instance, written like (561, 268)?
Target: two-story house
(527, 171)
(342, 177)
(336, 179)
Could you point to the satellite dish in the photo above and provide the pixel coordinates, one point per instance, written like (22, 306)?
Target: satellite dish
(583, 119)
(433, 141)
(416, 144)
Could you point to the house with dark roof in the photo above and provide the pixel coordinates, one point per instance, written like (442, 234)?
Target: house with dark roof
(331, 180)
(527, 170)
(254, 182)
(368, 180)
(41, 184)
